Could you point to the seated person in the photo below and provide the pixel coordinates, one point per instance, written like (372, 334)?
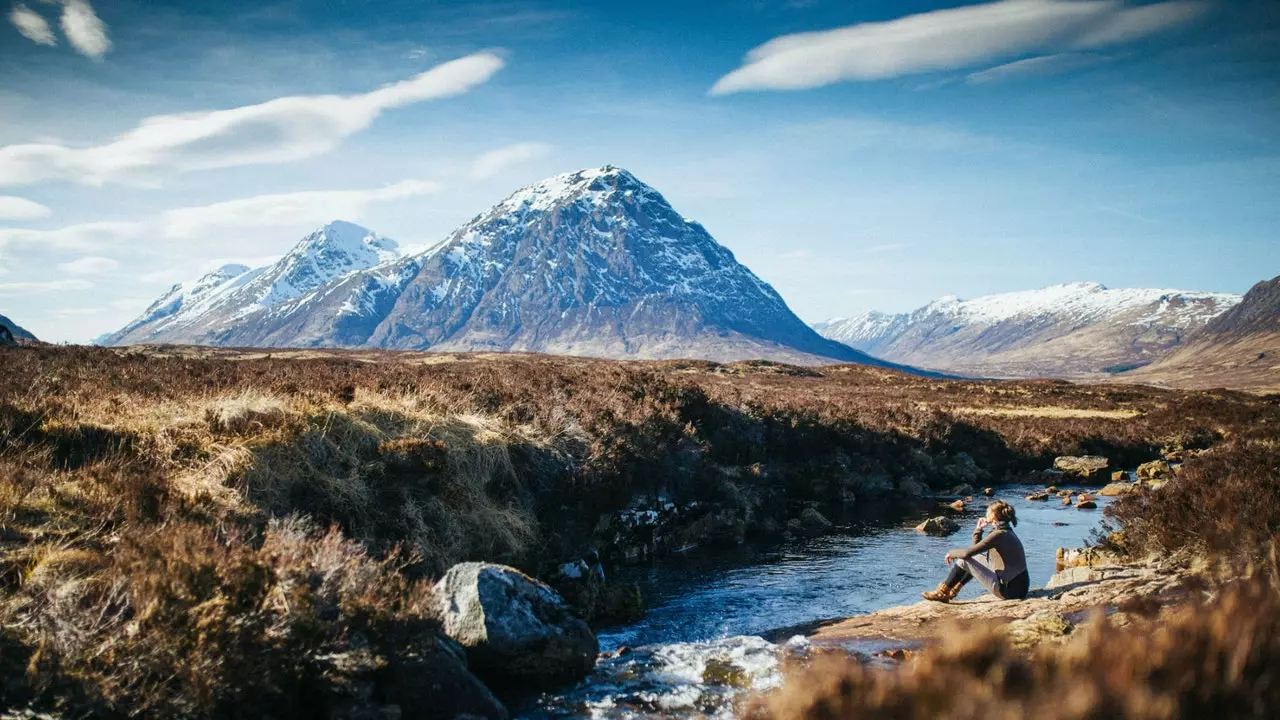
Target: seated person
(997, 560)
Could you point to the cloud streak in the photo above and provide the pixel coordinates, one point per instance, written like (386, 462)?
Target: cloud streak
(16, 208)
(84, 29)
(91, 265)
(496, 161)
(32, 25)
(948, 39)
(282, 130)
(1042, 65)
(23, 288)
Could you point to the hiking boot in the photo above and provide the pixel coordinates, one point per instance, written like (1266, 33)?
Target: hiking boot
(943, 594)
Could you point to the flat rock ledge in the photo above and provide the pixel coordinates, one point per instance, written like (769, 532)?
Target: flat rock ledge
(1049, 613)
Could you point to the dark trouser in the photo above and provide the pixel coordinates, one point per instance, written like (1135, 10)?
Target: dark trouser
(962, 571)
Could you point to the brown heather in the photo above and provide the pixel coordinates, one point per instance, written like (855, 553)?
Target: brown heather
(198, 532)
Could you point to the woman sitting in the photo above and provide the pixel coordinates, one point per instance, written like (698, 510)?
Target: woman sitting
(1003, 568)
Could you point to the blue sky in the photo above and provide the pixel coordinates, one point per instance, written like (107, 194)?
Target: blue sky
(856, 155)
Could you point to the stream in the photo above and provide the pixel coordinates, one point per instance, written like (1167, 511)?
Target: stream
(701, 644)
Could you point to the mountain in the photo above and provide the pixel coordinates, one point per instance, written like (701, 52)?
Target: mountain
(1238, 349)
(213, 307)
(15, 330)
(592, 262)
(1076, 330)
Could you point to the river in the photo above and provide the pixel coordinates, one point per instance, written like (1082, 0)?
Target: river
(701, 644)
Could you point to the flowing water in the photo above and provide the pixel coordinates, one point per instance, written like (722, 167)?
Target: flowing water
(701, 644)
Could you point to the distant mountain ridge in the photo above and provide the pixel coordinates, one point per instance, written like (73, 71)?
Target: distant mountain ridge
(592, 262)
(18, 332)
(1238, 349)
(1074, 330)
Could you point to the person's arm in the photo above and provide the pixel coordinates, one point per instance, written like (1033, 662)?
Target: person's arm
(980, 545)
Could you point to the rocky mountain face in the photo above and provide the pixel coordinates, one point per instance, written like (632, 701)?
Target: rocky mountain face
(1238, 349)
(1077, 330)
(15, 330)
(227, 303)
(592, 262)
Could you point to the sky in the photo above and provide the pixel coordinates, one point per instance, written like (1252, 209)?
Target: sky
(856, 154)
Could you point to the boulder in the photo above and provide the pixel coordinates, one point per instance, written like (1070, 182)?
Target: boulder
(1085, 467)
(1038, 496)
(1116, 489)
(958, 506)
(1120, 476)
(1066, 500)
(1083, 557)
(911, 486)
(1154, 470)
(938, 526)
(1051, 489)
(1086, 505)
(988, 491)
(512, 626)
(813, 523)
(1066, 493)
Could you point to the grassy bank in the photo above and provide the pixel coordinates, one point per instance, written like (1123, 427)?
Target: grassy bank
(270, 522)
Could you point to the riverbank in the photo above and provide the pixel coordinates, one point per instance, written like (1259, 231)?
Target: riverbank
(193, 508)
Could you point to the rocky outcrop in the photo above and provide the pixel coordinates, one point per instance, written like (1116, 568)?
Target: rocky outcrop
(1116, 489)
(1048, 613)
(938, 526)
(1155, 470)
(513, 627)
(1084, 467)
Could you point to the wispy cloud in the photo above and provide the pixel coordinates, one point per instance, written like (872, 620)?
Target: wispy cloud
(948, 39)
(888, 247)
(282, 130)
(21, 288)
(32, 25)
(178, 227)
(1042, 65)
(284, 209)
(84, 29)
(89, 265)
(16, 208)
(495, 161)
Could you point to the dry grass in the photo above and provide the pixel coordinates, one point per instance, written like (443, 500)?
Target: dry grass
(1218, 659)
(1047, 412)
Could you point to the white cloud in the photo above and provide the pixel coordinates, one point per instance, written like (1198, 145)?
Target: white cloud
(16, 208)
(22, 288)
(90, 265)
(1042, 65)
(284, 209)
(81, 237)
(84, 29)
(282, 130)
(32, 25)
(947, 39)
(495, 161)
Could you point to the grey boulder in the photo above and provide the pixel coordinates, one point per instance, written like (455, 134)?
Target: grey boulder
(513, 627)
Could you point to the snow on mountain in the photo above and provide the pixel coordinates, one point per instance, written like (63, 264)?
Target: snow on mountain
(193, 313)
(1070, 330)
(592, 262)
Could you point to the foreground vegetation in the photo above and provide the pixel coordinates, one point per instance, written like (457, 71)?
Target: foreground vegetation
(200, 533)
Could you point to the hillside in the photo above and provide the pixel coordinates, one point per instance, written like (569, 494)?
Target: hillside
(1076, 330)
(15, 329)
(1238, 349)
(592, 263)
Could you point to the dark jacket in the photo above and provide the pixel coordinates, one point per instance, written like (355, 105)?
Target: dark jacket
(1004, 555)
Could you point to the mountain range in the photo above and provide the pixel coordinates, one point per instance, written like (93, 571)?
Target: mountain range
(592, 262)
(1075, 330)
(16, 330)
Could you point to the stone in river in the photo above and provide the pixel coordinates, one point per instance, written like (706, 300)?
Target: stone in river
(1085, 467)
(938, 526)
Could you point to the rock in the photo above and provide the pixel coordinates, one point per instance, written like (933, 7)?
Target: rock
(1086, 497)
(512, 626)
(968, 498)
(1086, 505)
(1038, 496)
(434, 689)
(958, 506)
(1066, 493)
(1066, 500)
(962, 489)
(1086, 467)
(813, 523)
(1045, 625)
(938, 526)
(988, 491)
(1051, 489)
(909, 486)
(1116, 489)
(1154, 470)
(1120, 476)
(1083, 557)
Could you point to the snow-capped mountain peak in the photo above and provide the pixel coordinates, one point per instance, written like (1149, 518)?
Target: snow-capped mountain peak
(1071, 329)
